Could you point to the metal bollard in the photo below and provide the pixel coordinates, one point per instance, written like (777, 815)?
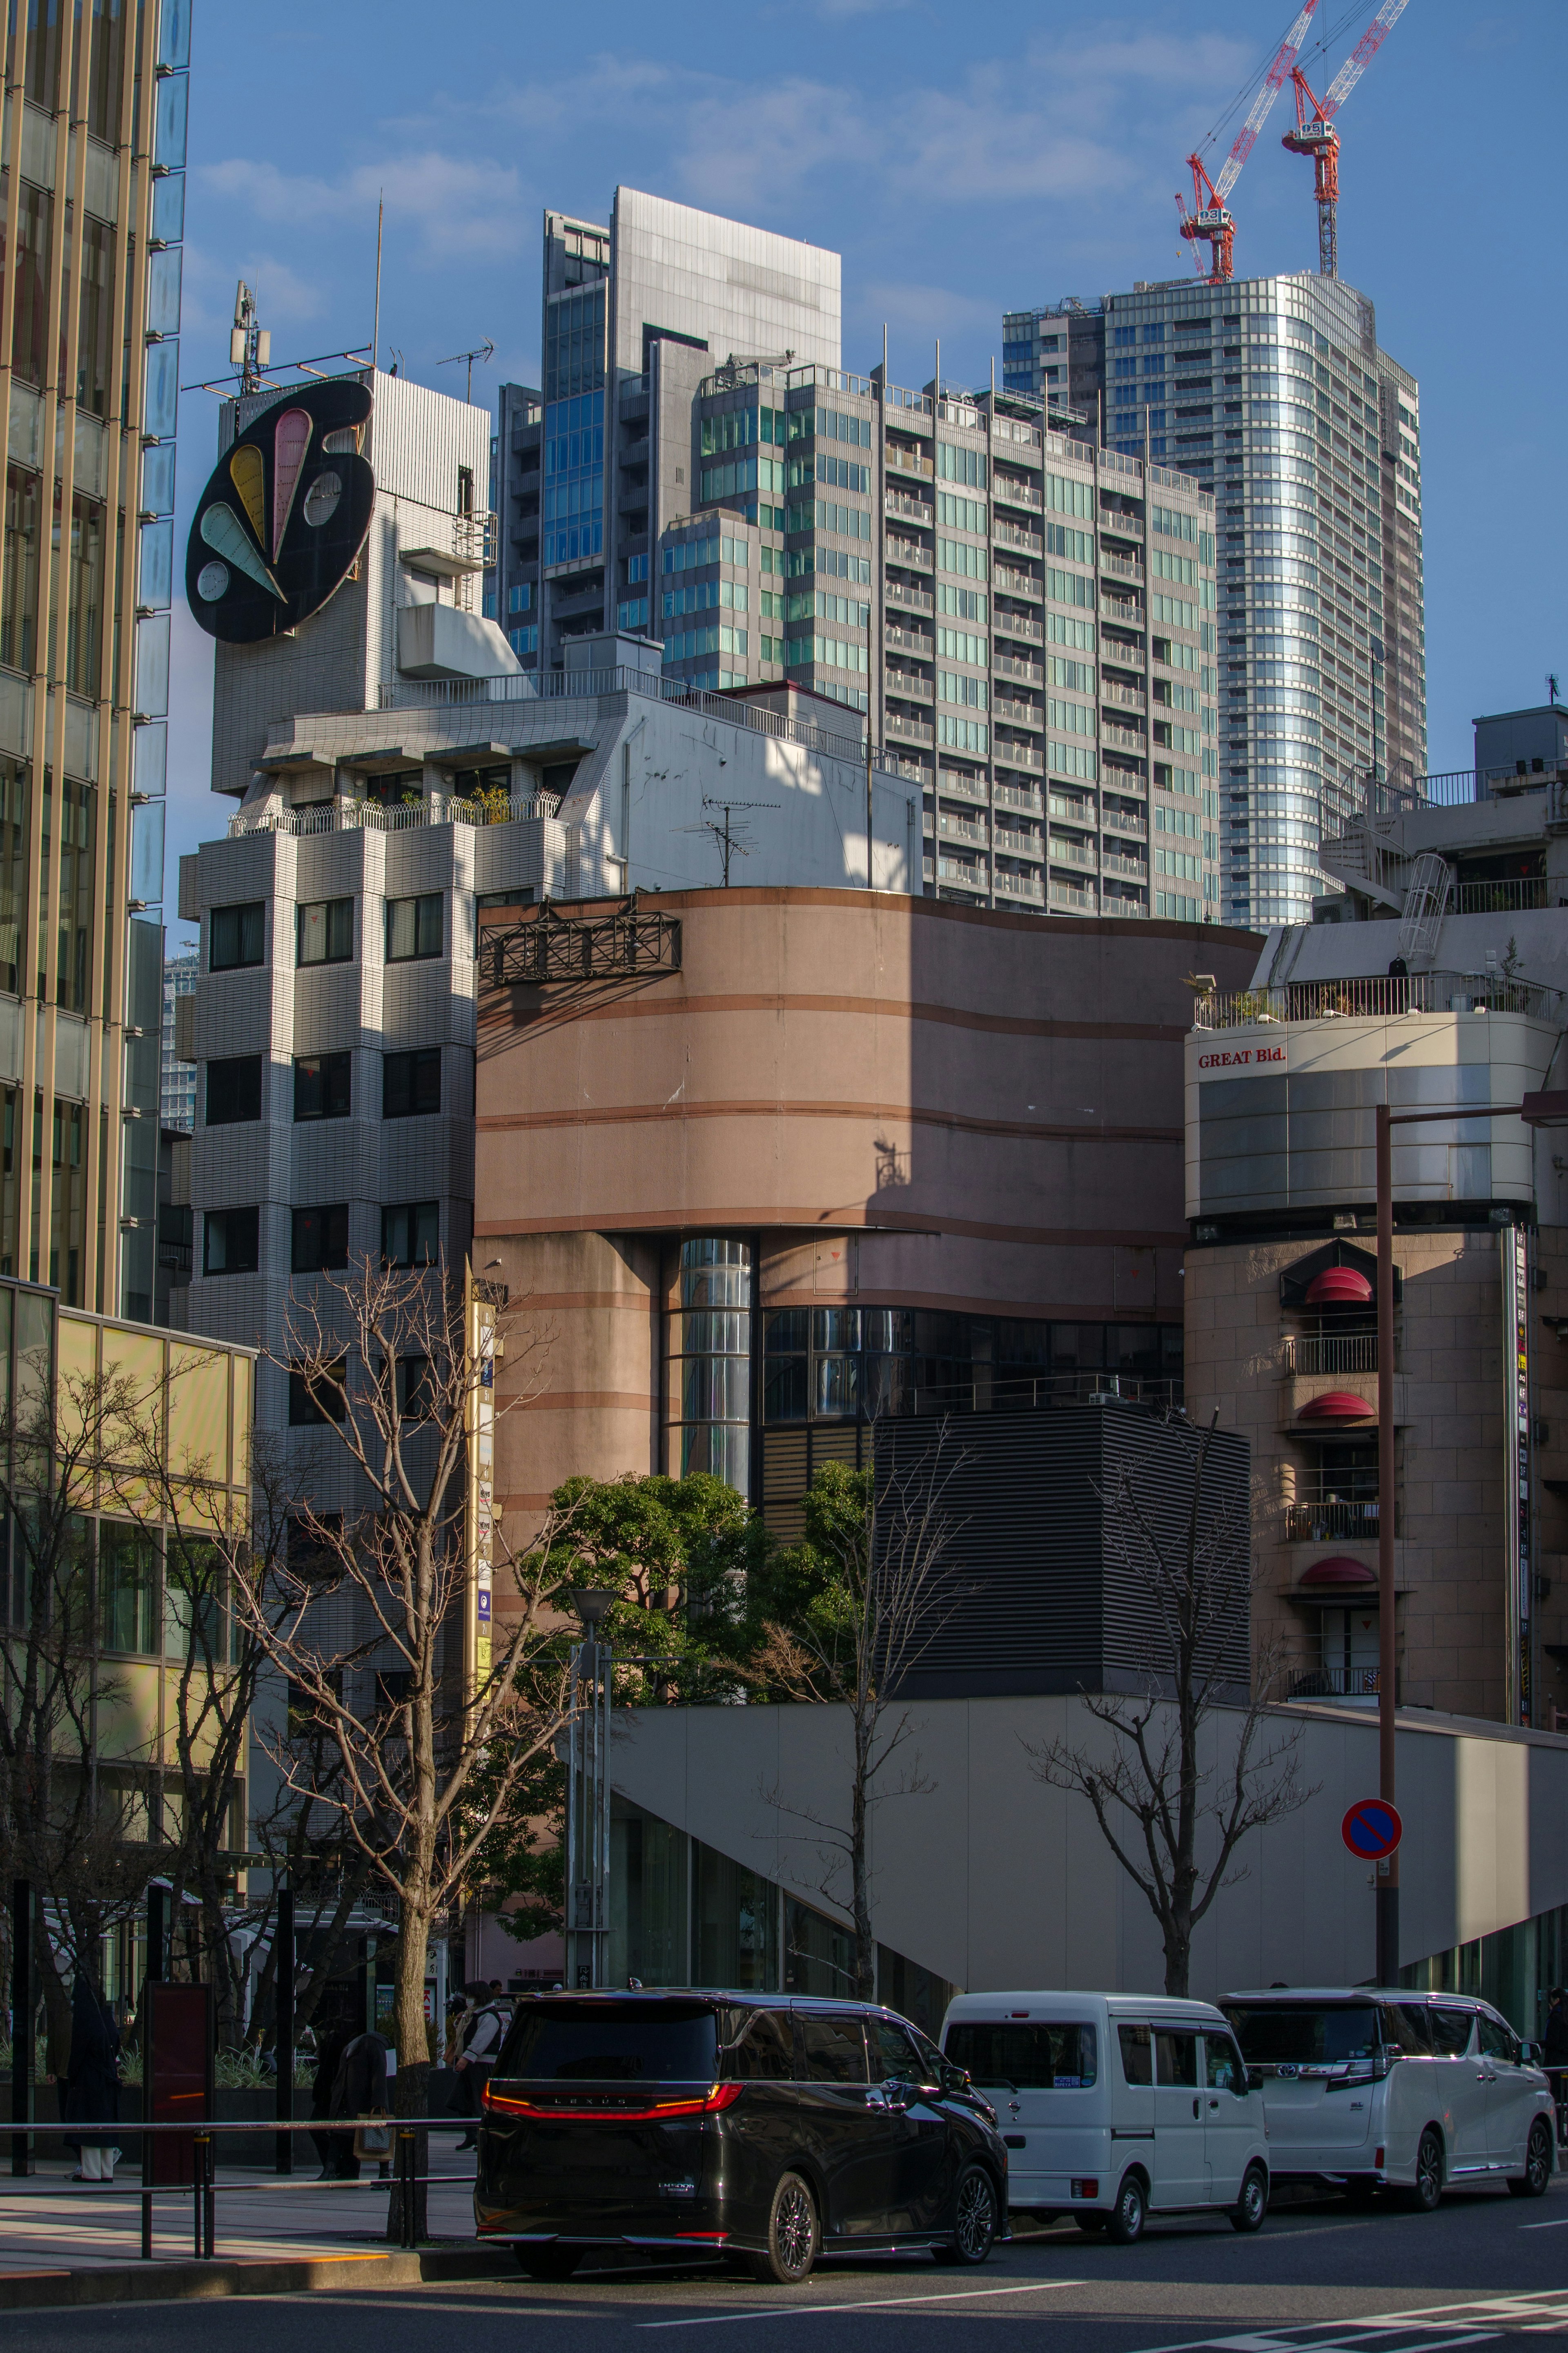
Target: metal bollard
(408, 2171)
(146, 2223)
(209, 2199)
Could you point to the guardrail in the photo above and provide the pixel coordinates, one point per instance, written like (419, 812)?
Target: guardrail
(1374, 997)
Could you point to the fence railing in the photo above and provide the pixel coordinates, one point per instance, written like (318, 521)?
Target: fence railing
(1373, 996)
(1315, 1522)
(398, 816)
(1331, 1352)
(1337, 1682)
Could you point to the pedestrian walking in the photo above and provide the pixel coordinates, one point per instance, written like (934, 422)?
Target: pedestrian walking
(92, 2083)
(482, 2034)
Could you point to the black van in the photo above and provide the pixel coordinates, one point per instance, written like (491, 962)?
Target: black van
(771, 2131)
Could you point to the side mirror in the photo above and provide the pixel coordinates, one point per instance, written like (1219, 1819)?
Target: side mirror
(1529, 2054)
(898, 2094)
(1254, 2079)
(956, 2079)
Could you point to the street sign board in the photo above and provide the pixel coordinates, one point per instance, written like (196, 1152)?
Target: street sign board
(1372, 1829)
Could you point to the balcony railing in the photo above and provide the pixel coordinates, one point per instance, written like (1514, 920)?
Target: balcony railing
(1017, 584)
(1337, 1682)
(1017, 625)
(1509, 898)
(1373, 997)
(1337, 1520)
(1331, 1352)
(1015, 796)
(401, 817)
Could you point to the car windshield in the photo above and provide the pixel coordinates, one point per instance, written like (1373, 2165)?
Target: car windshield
(1034, 2057)
(605, 2043)
(1305, 2034)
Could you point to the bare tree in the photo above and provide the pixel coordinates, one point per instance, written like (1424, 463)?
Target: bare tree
(874, 1598)
(381, 1354)
(1173, 1819)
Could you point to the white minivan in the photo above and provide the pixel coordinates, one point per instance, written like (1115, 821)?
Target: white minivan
(1415, 2089)
(1116, 2106)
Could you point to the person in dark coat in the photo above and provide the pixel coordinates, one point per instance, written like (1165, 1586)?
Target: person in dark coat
(361, 2090)
(333, 2148)
(92, 2083)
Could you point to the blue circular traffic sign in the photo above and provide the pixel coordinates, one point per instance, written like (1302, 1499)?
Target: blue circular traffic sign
(1372, 1829)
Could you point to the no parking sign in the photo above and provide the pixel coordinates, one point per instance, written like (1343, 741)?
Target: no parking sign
(1372, 1829)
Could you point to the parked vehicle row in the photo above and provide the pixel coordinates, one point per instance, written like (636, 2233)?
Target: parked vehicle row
(771, 2130)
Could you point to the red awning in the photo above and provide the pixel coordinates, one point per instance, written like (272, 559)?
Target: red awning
(1337, 1405)
(1340, 1569)
(1339, 1286)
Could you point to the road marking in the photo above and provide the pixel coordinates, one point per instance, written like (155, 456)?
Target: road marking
(864, 2304)
(1561, 2224)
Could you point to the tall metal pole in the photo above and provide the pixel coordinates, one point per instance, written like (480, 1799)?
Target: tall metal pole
(1387, 1648)
(283, 2014)
(21, 2024)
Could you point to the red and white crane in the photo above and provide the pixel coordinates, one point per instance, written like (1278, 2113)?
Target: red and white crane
(1315, 136)
(1209, 221)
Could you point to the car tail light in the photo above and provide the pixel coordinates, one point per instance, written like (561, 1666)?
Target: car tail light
(707, 2103)
(1378, 2158)
(1087, 2187)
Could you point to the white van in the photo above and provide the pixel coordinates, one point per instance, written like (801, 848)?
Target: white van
(1115, 2107)
(1417, 2089)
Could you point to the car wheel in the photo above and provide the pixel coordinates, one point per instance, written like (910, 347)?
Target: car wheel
(1427, 2190)
(1249, 2209)
(1536, 2178)
(973, 2219)
(795, 2236)
(550, 2262)
(1126, 2219)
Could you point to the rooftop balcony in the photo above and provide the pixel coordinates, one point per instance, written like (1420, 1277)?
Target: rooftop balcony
(1374, 997)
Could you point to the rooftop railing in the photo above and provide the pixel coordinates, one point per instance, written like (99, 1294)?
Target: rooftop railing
(397, 816)
(1372, 997)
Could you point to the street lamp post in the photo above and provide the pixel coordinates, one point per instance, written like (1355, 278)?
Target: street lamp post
(588, 1796)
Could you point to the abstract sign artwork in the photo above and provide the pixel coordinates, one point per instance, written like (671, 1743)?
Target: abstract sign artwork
(282, 520)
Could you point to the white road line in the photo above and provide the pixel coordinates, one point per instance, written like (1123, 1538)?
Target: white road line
(864, 2304)
(1561, 2224)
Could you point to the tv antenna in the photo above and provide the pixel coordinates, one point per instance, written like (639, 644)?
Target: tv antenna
(730, 839)
(249, 345)
(485, 352)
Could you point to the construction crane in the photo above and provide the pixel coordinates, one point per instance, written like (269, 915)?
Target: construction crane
(1315, 136)
(1209, 221)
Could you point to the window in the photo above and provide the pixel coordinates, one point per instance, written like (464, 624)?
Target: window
(958, 555)
(1451, 2031)
(321, 1085)
(234, 1090)
(415, 1388)
(310, 1552)
(127, 1586)
(956, 463)
(523, 640)
(960, 515)
(1078, 546)
(411, 1234)
(952, 686)
(1137, 2054)
(1222, 2062)
(1498, 2041)
(326, 931)
(834, 2049)
(1031, 2057)
(317, 1397)
(519, 600)
(962, 645)
(893, 2056)
(411, 1083)
(967, 603)
(1407, 2027)
(321, 1239)
(1065, 495)
(237, 936)
(231, 1242)
(413, 927)
(765, 2053)
(1178, 2059)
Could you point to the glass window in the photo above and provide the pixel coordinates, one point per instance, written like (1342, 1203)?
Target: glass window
(735, 1923)
(237, 936)
(1451, 2031)
(1498, 2041)
(833, 2048)
(325, 931)
(234, 1090)
(321, 1085)
(317, 1400)
(231, 1242)
(411, 1234)
(321, 1239)
(127, 1587)
(1137, 2054)
(413, 927)
(1407, 2027)
(1177, 2056)
(1280, 2034)
(1028, 2056)
(411, 1083)
(566, 2041)
(893, 2055)
(765, 2052)
(1223, 2064)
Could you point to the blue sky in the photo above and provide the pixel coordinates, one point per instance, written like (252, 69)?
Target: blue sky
(963, 165)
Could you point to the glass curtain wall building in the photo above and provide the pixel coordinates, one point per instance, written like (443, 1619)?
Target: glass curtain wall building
(1275, 395)
(1026, 621)
(96, 113)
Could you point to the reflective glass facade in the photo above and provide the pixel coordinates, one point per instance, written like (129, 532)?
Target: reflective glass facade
(575, 478)
(708, 1375)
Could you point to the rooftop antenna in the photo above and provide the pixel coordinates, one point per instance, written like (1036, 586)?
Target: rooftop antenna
(249, 346)
(729, 839)
(1552, 687)
(486, 351)
(375, 329)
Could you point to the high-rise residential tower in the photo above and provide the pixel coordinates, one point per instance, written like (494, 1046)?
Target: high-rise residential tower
(1026, 620)
(94, 211)
(1273, 392)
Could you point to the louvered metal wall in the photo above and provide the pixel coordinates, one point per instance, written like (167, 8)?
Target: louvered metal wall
(1043, 1594)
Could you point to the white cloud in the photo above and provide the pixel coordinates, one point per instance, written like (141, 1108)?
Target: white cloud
(460, 207)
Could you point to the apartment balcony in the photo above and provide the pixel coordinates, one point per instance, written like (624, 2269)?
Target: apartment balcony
(955, 788)
(902, 730)
(1027, 673)
(1069, 895)
(961, 828)
(1121, 567)
(914, 600)
(1012, 493)
(910, 554)
(910, 641)
(1020, 886)
(1017, 584)
(908, 461)
(1114, 822)
(1126, 698)
(634, 453)
(1374, 998)
(1071, 811)
(1337, 1682)
(911, 685)
(1122, 526)
(1015, 796)
(1123, 739)
(1019, 714)
(1072, 853)
(1020, 845)
(1331, 1351)
(1334, 1507)
(964, 871)
(1511, 898)
(1128, 616)
(1132, 870)
(1019, 625)
(1009, 534)
(1008, 754)
(899, 502)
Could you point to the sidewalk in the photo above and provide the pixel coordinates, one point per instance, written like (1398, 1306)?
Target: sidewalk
(50, 2223)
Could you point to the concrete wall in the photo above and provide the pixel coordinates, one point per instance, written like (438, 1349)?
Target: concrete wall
(993, 1880)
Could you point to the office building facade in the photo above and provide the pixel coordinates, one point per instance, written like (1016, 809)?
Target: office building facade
(96, 110)
(177, 1077)
(1275, 395)
(1025, 624)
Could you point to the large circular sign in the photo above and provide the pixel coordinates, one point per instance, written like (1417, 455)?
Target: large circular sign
(284, 515)
(1372, 1829)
